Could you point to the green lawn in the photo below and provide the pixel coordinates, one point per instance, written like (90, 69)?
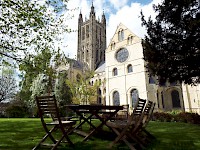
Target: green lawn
(24, 134)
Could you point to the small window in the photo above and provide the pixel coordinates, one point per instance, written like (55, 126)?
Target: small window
(115, 73)
(121, 35)
(151, 80)
(129, 68)
(99, 81)
(130, 40)
(113, 46)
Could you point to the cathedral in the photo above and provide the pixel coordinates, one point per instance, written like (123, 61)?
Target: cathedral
(120, 68)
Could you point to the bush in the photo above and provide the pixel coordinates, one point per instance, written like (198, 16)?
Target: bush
(162, 116)
(193, 118)
(186, 117)
(17, 109)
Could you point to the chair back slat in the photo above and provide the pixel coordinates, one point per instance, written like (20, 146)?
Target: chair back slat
(148, 113)
(139, 106)
(47, 106)
(137, 111)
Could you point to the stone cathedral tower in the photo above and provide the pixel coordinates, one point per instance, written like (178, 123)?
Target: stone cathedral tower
(91, 40)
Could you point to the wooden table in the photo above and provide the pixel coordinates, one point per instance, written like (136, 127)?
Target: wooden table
(94, 110)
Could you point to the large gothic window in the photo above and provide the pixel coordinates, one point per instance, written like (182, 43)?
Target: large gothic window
(134, 97)
(116, 100)
(175, 99)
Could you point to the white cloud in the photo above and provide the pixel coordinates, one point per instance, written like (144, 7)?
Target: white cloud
(118, 3)
(124, 13)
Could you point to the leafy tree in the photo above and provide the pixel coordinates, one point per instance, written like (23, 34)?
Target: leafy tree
(172, 44)
(8, 86)
(62, 90)
(29, 26)
(82, 91)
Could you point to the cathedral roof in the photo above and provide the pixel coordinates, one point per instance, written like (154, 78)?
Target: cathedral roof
(77, 64)
(101, 67)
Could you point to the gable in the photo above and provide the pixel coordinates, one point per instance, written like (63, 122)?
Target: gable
(122, 37)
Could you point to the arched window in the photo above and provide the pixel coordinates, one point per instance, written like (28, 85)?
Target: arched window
(120, 35)
(175, 99)
(113, 45)
(99, 81)
(129, 68)
(134, 96)
(151, 80)
(115, 73)
(162, 97)
(99, 96)
(116, 100)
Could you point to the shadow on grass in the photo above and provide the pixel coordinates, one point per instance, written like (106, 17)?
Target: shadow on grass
(24, 134)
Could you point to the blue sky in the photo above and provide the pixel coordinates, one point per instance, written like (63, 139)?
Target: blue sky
(126, 12)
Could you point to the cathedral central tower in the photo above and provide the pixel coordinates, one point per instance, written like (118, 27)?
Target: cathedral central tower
(91, 40)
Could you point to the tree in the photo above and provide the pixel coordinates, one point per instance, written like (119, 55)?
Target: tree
(172, 44)
(39, 75)
(8, 86)
(82, 91)
(29, 26)
(62, 90)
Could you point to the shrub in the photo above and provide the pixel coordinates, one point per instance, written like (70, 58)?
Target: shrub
(17, 109)
(186, 117)
(162, 116)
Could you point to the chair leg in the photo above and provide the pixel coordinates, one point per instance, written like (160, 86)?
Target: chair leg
(45, 137)
(123, 137)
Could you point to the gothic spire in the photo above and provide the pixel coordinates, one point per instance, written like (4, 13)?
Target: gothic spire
(92, 10)
(103, 18)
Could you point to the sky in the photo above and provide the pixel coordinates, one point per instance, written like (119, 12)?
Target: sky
(126, 12)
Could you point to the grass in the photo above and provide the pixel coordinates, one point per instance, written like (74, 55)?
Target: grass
(24, 134)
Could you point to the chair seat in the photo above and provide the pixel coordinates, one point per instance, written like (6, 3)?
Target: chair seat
(63, 122)
(117, 124)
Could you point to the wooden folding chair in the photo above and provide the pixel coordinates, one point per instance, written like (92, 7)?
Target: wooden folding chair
(148, 112)
(123, 128)
(47, 106)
